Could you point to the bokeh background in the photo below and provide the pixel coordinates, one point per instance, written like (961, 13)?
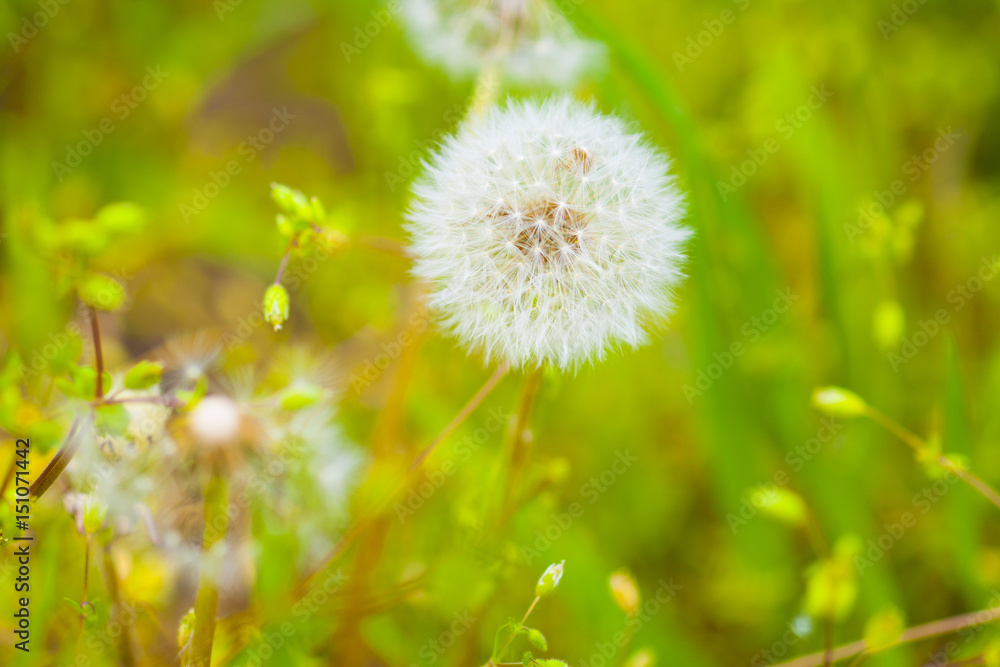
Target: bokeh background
(842, 161)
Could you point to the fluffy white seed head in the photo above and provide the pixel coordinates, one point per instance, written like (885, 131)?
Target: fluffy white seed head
(215, 421)
(529, 40)
(548, 233)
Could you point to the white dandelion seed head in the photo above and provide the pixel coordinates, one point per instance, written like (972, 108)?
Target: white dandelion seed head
(530, 40)
(215, 421)
(548, 233)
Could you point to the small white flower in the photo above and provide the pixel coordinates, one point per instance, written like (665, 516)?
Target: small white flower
(549, 579)
(548, 233)
(528, 39)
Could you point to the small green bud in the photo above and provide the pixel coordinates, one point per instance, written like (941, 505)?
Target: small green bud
(838, 402)
(300, 396)
(94, 512)
(625, 591)
(528, 659)
(537, 639)
(144, 375)
(781, 504)
(292, 201)
(549, 579)
(888, 324)
(285, 226)
(276, 306)
(101, 292)
(121, 218)
(185, 629)
(883, 630)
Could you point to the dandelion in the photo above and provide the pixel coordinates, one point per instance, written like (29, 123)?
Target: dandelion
(548, 233)
(215, 421)
(528, 39)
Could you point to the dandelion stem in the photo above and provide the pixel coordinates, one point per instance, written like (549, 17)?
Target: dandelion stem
(919, 446)
(916, 633)
(518, 444)
(366, 521)
(206, 605)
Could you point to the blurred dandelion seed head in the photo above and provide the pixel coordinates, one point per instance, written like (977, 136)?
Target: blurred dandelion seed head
(529, 40)
(549, 234)
(215, 421)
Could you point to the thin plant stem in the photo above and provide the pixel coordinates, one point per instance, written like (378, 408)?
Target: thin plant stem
(126, 656)
(822, 547)
(511, 639)
(517, 448)
(83, 598)
(920, 446)
(919, 632)
(95, 330)
(57, 463)
(9, 475)
(365, 522)
(206, 604)
(858, 659)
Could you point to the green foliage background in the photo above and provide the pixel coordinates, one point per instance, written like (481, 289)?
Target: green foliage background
(682, 512)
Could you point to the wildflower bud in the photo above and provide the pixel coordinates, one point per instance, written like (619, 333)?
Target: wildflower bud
(838, 402)
(888, 324)
(781, 504)
(276, 306)
(300, 396)
(285, 226)
(641, 658)
(185, 629)
(144, 375)
(292, 201)
(101, 292)
(883, 630)
(94, 511)
(549, 579)
(121, 218)
(625, 591)
(537, 639)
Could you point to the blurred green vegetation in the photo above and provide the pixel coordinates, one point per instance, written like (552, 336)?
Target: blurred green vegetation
(836, 243)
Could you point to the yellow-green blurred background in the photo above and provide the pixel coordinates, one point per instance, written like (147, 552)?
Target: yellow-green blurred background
(785, 119)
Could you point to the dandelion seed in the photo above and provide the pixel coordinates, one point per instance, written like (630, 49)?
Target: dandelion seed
(530, 40)
(564, 276)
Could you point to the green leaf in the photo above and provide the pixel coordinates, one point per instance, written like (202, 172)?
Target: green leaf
(144, 375)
